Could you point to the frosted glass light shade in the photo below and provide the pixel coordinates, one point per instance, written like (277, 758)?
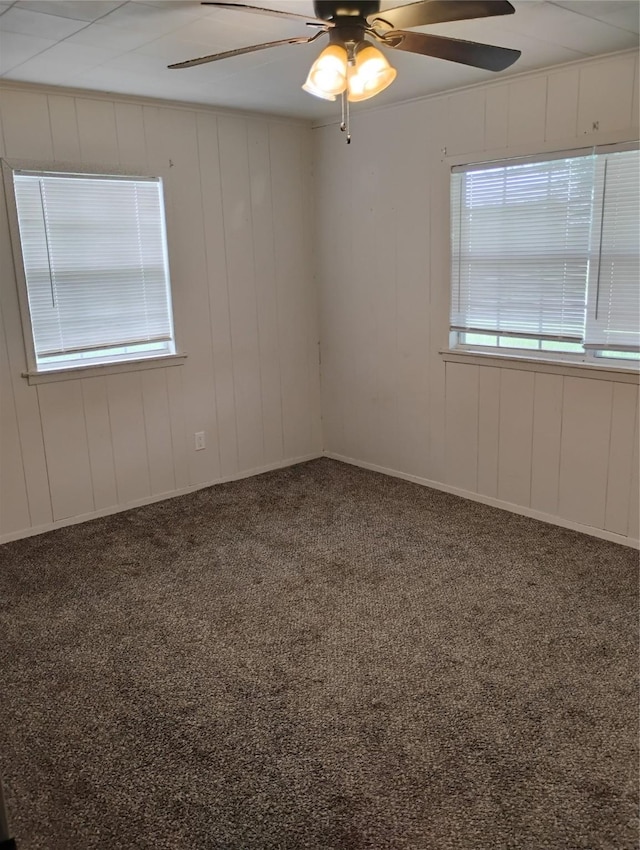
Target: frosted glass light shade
(311, 89)
(328, 75)
(371, 75)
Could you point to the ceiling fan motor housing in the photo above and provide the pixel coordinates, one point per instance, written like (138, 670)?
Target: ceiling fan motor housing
(329, 10)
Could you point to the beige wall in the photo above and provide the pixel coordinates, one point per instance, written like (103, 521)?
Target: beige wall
(238, 215)
(559, 444)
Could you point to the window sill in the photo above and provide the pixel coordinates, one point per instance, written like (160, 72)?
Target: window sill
(100, 369)
(597, 371)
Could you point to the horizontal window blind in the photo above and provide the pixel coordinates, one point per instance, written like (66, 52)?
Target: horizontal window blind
(95, 261)
(613, 318)
(520, 248)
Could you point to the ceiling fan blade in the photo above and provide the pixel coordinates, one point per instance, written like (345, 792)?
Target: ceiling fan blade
(485, 56)
(439, 12)
(258, 10)
(202, 60)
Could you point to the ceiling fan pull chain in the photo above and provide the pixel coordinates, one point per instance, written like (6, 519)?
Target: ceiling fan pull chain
(344, 122)
(344, 94)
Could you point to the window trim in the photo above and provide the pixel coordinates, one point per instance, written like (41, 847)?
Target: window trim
(543, 151)
(552, 366)
(96, 369)
(559, 363)
(32, 373)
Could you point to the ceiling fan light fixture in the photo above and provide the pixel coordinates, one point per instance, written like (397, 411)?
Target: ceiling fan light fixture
(371, 75)
(311, 89)
(328, 75)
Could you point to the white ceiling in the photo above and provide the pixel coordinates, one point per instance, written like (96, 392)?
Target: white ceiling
(124, 47)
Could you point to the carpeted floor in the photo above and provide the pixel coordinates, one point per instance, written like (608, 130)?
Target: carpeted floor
(324, 658)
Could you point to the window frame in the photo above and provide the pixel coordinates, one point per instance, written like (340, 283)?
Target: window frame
(549, 361)
(33, 374)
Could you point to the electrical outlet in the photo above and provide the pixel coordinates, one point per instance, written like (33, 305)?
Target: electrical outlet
(199, 440)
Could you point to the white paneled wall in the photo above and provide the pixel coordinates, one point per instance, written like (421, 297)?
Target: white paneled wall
(558, 446)
(249, 266)
(238, 195)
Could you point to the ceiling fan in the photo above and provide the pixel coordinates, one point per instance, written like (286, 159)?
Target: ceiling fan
(351, 66)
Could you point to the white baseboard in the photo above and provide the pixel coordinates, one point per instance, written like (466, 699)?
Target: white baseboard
(495, 503)
(149, 500)
(416, 479)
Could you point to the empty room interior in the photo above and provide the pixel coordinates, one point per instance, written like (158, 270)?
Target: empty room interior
(319, 448)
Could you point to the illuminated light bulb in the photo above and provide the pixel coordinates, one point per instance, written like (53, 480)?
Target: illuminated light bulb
(371, 75)
(328, 75)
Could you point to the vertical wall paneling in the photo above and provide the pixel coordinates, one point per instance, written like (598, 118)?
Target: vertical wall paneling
(377, 302)
(247, 349)
(634, 497)
(384, 386)
(308, 237)
(438, 277)
(488, 430)
(99, 442)
(265, 288)
(527, 111)
(466, 124)
(217, 284)
(97, 131)
(372, 205)
(586, 425)
(562, 104)
(526, 448)
(157, 424)
(25, 398)
(132, 146)
(26, 125)
(496, 116)
(367, 199)
(14, 506)
(292, 271)
(126, 414)
(241, 270)
(64, 128)
(332, 261)
(606, 92)
(340, 331)
(547, 430)
(516, 432)
(623, 415)
(387, 219)
(413, 330)
(462, 426)
(178, 430)
(65, 438)
(178, 148)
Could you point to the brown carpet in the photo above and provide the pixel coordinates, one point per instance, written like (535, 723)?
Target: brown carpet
(320, 657)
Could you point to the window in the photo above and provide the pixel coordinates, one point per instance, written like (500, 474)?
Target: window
(545, 256)
(93, 251)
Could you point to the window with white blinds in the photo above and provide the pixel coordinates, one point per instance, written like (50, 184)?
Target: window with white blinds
(547, 253)
(95, 264)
